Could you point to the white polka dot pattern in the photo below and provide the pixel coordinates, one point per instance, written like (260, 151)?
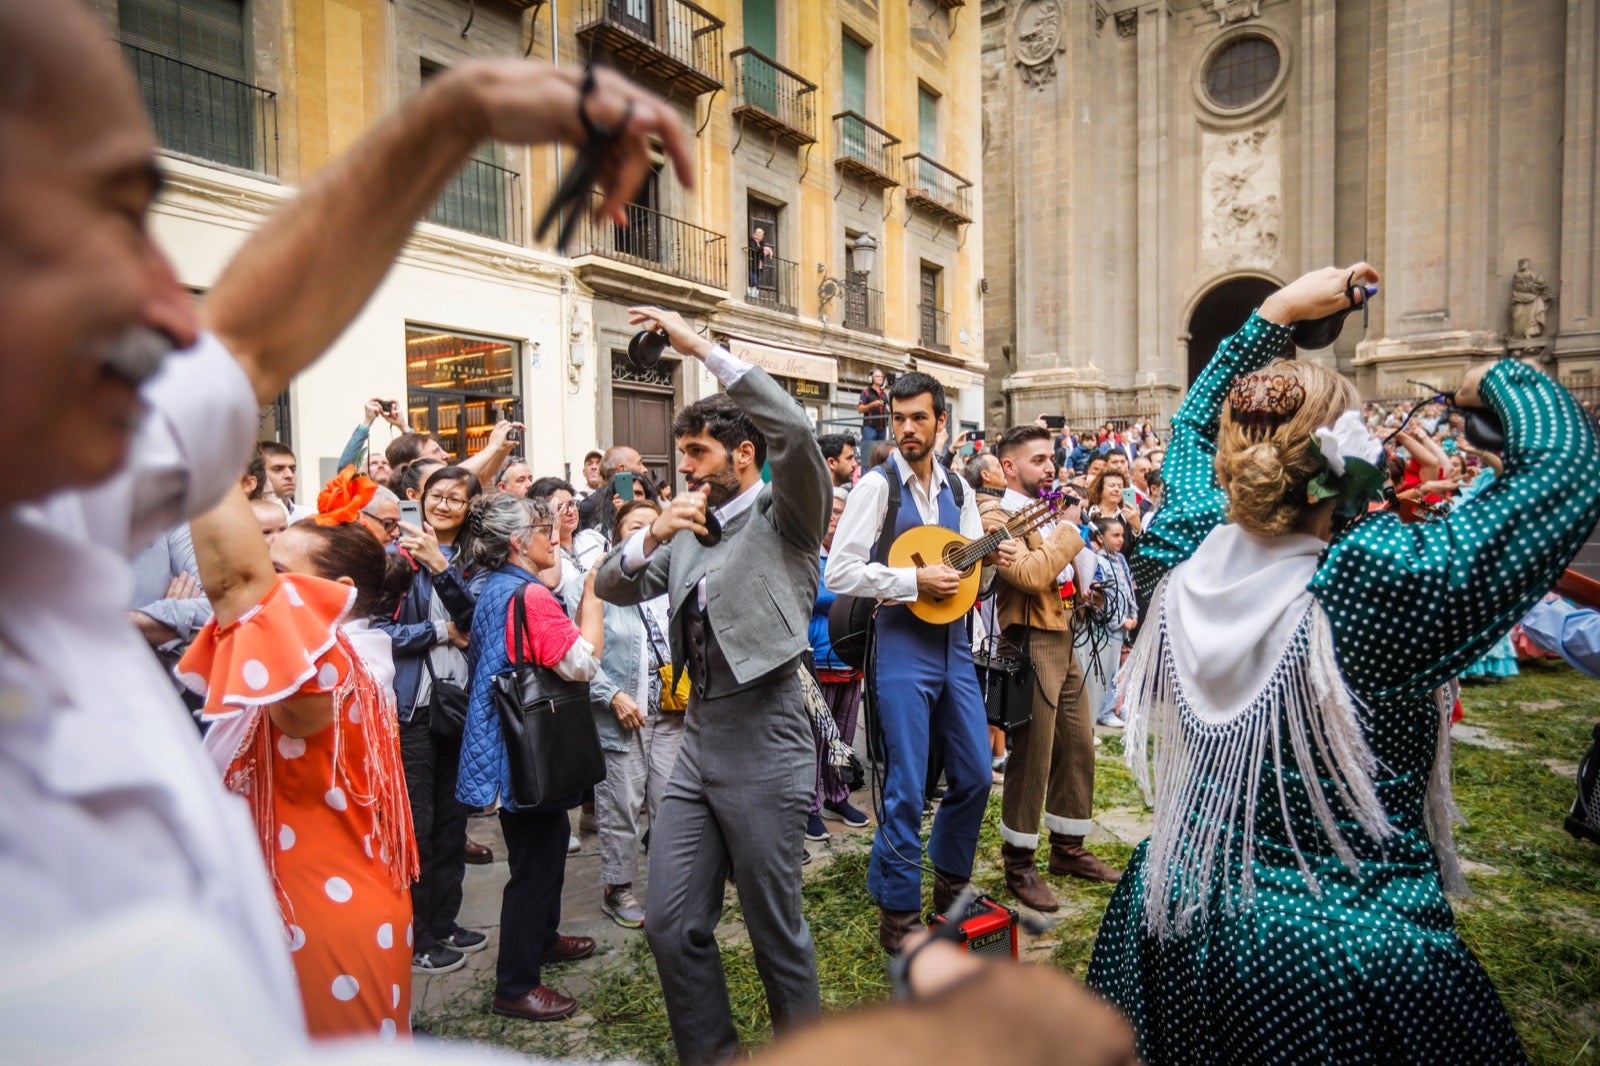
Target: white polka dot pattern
(386, 936)
(255, 674)
(338, 890)
(345, 988)
(291, 747)
(1371, 970)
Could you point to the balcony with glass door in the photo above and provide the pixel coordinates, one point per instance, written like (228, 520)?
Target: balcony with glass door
(937, 190)
(865, 150)
(672, 45)
(652, 241)
(770, 97)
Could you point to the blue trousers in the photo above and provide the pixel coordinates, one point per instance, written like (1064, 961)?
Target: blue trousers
(927, 689)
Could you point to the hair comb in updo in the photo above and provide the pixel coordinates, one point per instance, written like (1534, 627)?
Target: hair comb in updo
(1260, 403)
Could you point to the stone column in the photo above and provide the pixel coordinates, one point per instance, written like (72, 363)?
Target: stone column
(1578, 309)
(1442, 139)
(1157, 335)
(1318, 147)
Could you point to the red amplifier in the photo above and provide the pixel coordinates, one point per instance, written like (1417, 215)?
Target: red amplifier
(987, 929)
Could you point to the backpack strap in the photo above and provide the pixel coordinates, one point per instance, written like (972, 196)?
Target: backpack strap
(891, 514)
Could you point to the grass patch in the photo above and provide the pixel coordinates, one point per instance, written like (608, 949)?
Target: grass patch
(1534, 921)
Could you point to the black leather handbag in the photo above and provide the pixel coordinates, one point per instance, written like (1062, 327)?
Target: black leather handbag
(1005, 677)
(552, 746)
(447, 705)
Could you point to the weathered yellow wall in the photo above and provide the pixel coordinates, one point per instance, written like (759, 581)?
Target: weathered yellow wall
(339, 49)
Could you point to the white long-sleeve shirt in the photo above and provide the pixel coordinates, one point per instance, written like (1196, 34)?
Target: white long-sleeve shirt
(850, 569)
(112, 814)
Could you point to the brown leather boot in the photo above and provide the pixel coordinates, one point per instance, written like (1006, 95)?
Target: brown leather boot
(946, 887)
(1069, 857)
(1022, 878)
(895, 926)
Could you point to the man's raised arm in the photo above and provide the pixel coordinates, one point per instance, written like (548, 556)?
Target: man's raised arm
(306, 273)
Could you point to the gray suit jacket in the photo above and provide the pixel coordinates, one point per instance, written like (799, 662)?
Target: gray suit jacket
(761, 579)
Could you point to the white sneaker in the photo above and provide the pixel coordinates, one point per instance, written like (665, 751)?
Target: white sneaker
(1112, 721)
(573, 844)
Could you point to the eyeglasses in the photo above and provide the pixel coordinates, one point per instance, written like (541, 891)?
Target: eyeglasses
(547, 529)
(389, 524)
(568, 508)
(447, 503)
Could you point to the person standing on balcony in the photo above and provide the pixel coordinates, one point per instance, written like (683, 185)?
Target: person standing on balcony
(760, 252)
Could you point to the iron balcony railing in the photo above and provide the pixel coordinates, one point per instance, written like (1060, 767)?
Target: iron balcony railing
(770, 96)
(933, 328)
(483, 198)
(207, 115)
(934, 187)
(772, 282)
(656, 242)
(864, 149)
(863, 307)
(665, 42)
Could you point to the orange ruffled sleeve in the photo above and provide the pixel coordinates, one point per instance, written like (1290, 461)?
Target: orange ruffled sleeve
(272, 651)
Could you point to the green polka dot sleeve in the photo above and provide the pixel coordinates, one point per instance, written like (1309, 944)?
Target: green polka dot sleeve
(1194, 505)
(1414, 605)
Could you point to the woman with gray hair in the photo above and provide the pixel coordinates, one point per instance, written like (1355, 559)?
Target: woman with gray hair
(511, 540)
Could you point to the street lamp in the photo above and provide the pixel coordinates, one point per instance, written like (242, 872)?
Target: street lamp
(863, 253)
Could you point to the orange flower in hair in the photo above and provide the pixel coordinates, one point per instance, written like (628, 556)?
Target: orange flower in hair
(344, 498)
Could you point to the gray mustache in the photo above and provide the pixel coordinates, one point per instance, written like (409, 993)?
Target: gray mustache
(137, 352)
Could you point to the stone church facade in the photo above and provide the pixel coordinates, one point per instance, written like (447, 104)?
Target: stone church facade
(1153, 168)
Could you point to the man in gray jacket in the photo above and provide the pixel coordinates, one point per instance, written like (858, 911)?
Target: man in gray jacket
(740, 590)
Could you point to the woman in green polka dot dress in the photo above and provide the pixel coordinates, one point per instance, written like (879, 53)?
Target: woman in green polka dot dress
(1284, 714)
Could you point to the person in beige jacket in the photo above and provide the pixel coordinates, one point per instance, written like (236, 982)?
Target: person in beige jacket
(1052, 757)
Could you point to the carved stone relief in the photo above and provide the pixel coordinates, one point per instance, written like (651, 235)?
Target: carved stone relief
(1035, 40)
(1234, 10)
(1128, 23)
(1241, 193)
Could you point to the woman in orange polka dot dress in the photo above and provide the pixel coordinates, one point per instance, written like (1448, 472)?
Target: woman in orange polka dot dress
(305, 729)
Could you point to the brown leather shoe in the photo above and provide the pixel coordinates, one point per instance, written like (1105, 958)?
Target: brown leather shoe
(1022, 878)
(543, 1004)
(478, 854)
(569, 949)
(946, 887)
(1069, 858)
(895, 926)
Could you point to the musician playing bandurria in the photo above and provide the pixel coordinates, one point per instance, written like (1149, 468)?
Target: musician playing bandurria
(1052, 757)
(923, 679)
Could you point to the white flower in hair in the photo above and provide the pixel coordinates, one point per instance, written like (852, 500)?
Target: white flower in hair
(1349, 438)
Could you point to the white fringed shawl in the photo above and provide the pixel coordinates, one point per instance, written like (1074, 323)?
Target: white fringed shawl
(1235, 664)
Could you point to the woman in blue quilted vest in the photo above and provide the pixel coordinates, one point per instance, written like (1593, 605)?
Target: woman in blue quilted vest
(510, 540)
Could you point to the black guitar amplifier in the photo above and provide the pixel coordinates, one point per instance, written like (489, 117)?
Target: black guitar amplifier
(987, 929)
(1005, 677)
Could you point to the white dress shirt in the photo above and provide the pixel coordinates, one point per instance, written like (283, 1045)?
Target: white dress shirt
(850, 569)
(727, 368)
(111, 809)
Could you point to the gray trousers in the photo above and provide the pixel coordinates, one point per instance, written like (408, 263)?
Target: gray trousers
(636, 777)
(737, 799)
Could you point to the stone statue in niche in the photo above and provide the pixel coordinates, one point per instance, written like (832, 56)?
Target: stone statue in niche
(1035, 40)
(1241, 180)
(1530, 300)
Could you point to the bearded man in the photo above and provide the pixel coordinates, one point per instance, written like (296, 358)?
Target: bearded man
(740, 592)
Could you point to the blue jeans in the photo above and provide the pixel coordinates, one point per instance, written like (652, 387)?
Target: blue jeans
(871, 433)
